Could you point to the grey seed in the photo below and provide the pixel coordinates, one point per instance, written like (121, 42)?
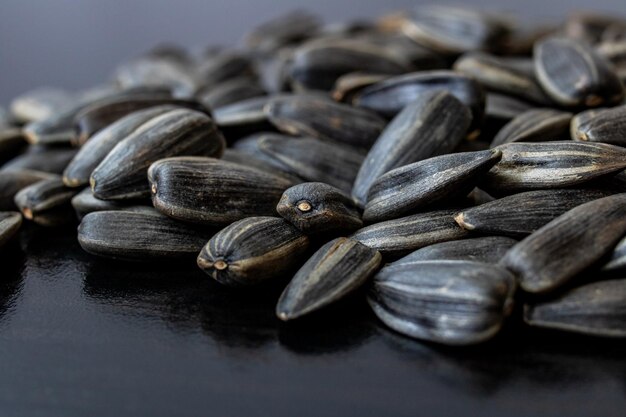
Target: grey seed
(13, 181)
(522, 214)
(224, 66)
(430, 181)
(325, 119)
(10, 222)
(85, 203)
(481, 249)
(40, 104)
(544, 165)
(350, 85)
(41, 158)
(454, 30)
(432, 125)
(606, 126)
(595, 309)
(285, 29)
(46, 202)
(337, 269)
(398, 237)
(213, 192)
(252, 160)
(568, 245)
(152, 71)
(229, 92)
(448, 302)
(535, 125)
(307, 158)
(139, 235)
(390, 96)
(318, 208)
(253, 250)
(497, 74)
(503, 107)
(618, 257)
(122, 174)
(574, 75)
(99, 115)
(93, 152)
(316, 65)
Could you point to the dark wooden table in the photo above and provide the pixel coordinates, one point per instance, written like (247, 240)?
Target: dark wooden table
(81, 336)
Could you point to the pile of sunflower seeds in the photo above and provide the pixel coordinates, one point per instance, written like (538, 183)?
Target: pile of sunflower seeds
(456, 165)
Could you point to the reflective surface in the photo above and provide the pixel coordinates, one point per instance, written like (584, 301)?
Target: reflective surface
(82, 336)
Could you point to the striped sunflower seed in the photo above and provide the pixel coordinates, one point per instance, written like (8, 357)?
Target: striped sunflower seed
(606, 126)
(488, 249)
(139, 235)
(46, 202)
(337, 269)
(253, 250)
(535, 125)
(286, 29)
(411, 187)
(595, 309)
(432, 125)
(571, 243)
(574, 75)
(41, 158)
(13, 181)
(229, 92)
(318, 208)
(522, 214)
(10, 222)
(501, 107)
(40, 104)
(156, 72)
(85, 203)
(122, 174)
(348, 86)
(213, 192)
(250, 158)
(448, 302)
(223, 67)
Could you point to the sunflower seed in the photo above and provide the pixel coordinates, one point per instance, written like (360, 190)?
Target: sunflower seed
(411, 187)
(13, 181)
(615, 52)
(253, 250)
(85, 203)
(522, 214)
(324, 119)
(398, 237)
(290, 28)
(40, 104)
(349, 85)
(229, 92)
(251, 160)
(481, 249)
(606, 126)
(307, 158)
(122, 174)
(453, 30)
(153, 71)
(500, 107)
(432, 125)
(574, 75)
(337, 269)
(318, 208)
(535, 125)
(588, 27)
(544, 165)
(568, 245)
(10, 223)
(618, 257)
(139, 235)
(213, 192)
(448, 302)
(595, 309)
(41, 158)
(46, 202)
(225, 66)
(243, 118)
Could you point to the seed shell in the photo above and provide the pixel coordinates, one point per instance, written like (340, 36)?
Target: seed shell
(41, 158)
(13, 181)
(488, 249)
(618, 257)
(535, 125)
(606, 126)
(85, 203)
(10, 222)
(46, 202)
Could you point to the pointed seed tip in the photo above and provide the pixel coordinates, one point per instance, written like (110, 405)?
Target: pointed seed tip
(460, 220)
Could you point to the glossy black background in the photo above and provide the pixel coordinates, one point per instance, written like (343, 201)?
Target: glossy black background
(80, 336)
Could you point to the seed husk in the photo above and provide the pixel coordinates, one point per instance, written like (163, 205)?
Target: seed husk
(85, 203)
(398, 237)
(156, 72)
(411, 187)
(290, 28)
(571, 243)
(97, 116)
(535, 125)
(432, 125)
(348, 86)
(122, 174)
(390, 96)
(488, 249)
(40, 104)
(574, 75)
(501, 107)
(595, 309)
(337, 269)
(318, 208)
(253, 250)
(618, 257)
(522, 214)
(10, 222)
(252, 160)
(317, 64)
(324, 119)
(213, 192)
(41, 158)
(229, 92)
(498, 74)
(223, 67)
(307, 158)
(13, 181)
(606, 126)
(46, 202)
(93, 152)
(139, 235)
(545, 165)
(244, 118)
(448, 302)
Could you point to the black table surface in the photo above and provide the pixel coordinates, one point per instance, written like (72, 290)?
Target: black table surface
(83, 336)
